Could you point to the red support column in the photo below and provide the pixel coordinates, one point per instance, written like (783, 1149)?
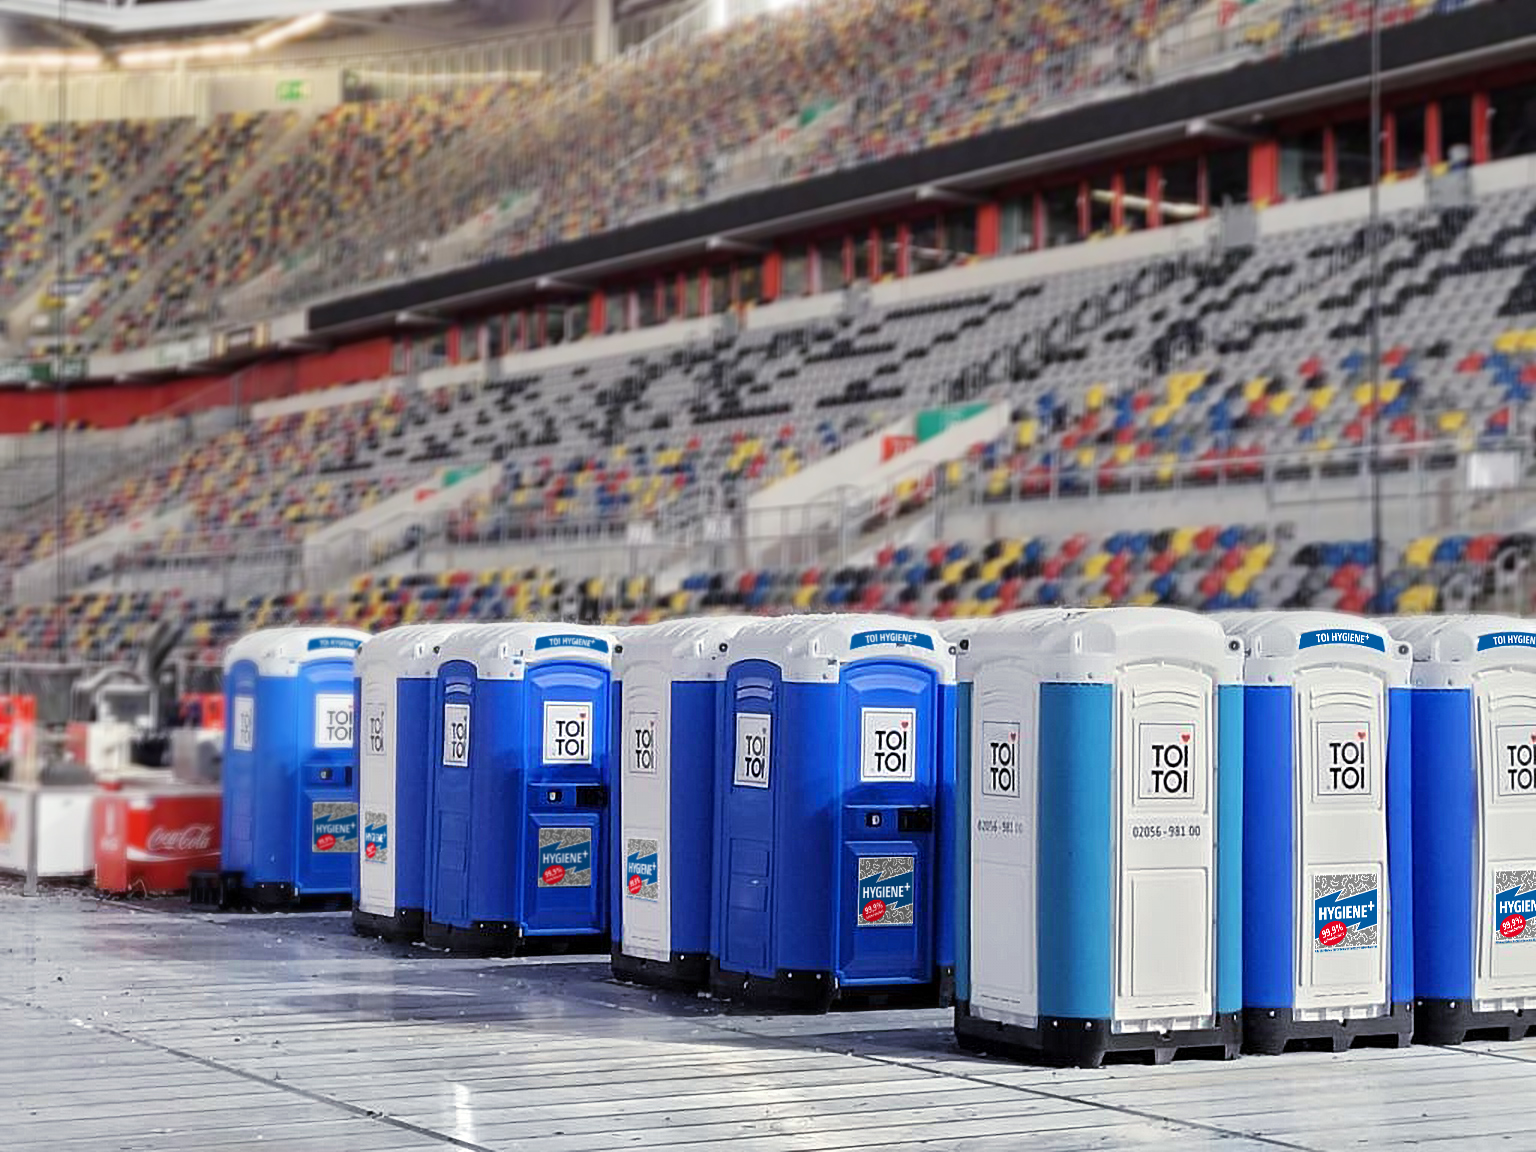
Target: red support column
(1389, 143)
(1084, 220)
(1154, 195)
(453, 344)
(989, 229)
(1116, 203)
(1037, 216)
(1432, 133)
(597, 309)
(1330, 160)
(1264, 174)
(773, 275)
(1482, 139)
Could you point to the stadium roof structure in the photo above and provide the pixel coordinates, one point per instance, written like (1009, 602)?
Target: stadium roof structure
(106, 21)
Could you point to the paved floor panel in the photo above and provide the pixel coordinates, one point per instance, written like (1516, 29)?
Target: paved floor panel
(141, 1027)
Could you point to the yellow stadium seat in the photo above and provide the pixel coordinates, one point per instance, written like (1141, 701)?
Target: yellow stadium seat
(1421, 552)
(1452, 421)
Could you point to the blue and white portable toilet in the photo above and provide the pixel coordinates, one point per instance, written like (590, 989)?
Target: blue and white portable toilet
(836, 763)
(1105, 782)
(968, 797)
(518, 801)
(1327, 831)
(1474, 826)
(668, 681)
(397, 737)
(290, 808)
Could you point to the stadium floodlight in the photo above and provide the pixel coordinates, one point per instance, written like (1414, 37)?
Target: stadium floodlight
(215, 50)
(51, 61)
(173, 17)
(292, 30)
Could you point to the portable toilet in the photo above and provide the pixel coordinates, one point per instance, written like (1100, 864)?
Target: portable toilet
(290, 808)
(396, 674)
(1106, 800)
(518, 801)
(668, 681)
(1327, 831)
(836, 761)
(969, 794)
(1474, 826)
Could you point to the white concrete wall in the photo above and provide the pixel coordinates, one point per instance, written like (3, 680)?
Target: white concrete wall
(857, 473)
(356, 543)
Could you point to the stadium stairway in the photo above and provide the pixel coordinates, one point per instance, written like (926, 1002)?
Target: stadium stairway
(364, 540)
(840, 489)
(84, 560)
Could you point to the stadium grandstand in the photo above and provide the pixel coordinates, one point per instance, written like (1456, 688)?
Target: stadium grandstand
(613, 318)
(614, 312)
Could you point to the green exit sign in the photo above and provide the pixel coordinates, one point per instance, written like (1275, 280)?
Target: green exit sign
(292, 91)
(66, 368)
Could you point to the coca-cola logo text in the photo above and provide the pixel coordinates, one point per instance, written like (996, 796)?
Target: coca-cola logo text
(192, 838)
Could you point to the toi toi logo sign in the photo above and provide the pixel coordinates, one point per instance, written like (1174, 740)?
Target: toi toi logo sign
(568, 733)
(1343, 759)
(889, 736)
(1167, 764)
(754, 748)
(642, 745)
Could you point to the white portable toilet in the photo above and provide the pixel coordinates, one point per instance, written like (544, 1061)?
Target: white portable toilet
(397, 736)
(1327, 831)
(979, 792)
(667, 681)
(1474, 826)
(1105, 861)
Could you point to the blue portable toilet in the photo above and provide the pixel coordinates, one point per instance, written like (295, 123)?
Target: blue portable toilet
(668, 681)
(396, 674)
(290, 807)
(1105, 866)
(1327, 831)
(1474, 826)
(518, 800)
(836, 761)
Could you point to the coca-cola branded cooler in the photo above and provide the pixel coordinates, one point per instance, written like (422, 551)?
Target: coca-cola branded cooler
(148, 840)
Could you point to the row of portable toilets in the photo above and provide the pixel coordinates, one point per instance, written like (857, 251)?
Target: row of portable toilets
(1124, 829)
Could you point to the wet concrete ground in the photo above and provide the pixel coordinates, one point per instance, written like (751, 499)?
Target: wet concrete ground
(142, 1026)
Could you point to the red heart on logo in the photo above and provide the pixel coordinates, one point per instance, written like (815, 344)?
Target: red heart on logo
(1015, 736)
(903, 723)
(1360, 735)
(1184, 736)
